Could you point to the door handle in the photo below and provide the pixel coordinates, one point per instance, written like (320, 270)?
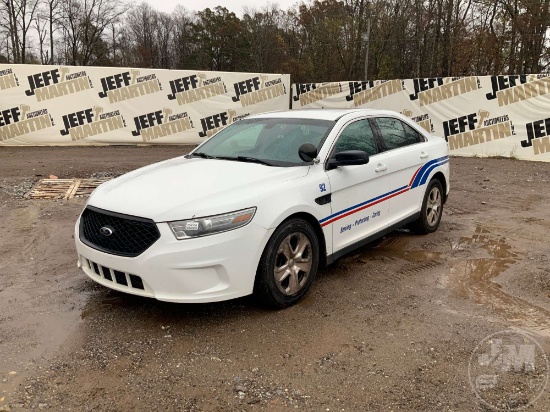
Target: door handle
(380, 167)
(423, 155)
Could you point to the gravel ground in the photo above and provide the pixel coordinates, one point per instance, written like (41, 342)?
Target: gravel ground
(391, 326)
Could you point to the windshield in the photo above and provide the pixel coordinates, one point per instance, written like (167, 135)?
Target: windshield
(273, 141)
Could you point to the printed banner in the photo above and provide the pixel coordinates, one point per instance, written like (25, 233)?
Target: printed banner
(63, 105)
(479, 116)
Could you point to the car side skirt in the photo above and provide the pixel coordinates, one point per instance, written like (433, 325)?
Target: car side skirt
(336, 255)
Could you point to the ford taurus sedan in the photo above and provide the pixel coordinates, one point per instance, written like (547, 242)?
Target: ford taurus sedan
(262, 205)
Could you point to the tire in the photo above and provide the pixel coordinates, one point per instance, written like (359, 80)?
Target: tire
(277, 285)
(432, 210)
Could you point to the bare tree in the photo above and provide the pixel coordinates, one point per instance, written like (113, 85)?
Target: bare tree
(140, 27)
(181, 38)
(85, 23)
(20, 17)
(41, 26)
(314, 41)
(53, 10)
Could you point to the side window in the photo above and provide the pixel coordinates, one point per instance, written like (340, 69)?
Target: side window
(357, 136)
(394, 133)
(412, 134)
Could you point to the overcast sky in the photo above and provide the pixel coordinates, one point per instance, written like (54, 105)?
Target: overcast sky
(235, 6)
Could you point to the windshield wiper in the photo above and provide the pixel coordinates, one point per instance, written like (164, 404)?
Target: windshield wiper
(203, 155)
(253, 160)
(238, 158)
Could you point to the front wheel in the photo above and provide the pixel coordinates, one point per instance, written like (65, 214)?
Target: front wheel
(288, 264)
(432, 209)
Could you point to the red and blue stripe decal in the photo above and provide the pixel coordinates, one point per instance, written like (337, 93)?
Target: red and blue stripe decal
(422, 174)
(419, 178)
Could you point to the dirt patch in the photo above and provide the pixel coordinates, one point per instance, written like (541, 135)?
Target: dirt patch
(388, 327)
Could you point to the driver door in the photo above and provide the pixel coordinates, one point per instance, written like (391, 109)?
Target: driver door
(359, 192)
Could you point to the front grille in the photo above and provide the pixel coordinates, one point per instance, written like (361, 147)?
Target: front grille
(130, 235)
(121, 278)
(116, 276)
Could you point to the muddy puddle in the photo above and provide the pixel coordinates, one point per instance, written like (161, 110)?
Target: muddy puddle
(474, 278)
(50, 331)
(396, 247)
(40, 300)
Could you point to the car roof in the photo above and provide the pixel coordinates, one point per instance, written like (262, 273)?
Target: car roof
(322, 114)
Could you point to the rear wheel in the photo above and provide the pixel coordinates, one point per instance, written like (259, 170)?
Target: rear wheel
(432, 210)
(288, 264)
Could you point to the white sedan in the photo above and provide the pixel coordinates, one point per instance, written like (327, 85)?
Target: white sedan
(262, 205)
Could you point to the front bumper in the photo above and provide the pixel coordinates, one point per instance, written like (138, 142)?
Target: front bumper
(207, 269)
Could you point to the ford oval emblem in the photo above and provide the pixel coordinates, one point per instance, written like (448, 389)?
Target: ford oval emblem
(106, 231)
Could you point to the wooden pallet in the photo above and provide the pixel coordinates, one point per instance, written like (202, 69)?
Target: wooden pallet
(85, 187)
(63, 188)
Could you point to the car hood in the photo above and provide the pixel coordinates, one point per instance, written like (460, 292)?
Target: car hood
(181, 188)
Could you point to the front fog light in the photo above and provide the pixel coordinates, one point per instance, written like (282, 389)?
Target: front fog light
(184, 229)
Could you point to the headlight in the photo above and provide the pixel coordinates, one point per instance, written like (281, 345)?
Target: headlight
(204, 226)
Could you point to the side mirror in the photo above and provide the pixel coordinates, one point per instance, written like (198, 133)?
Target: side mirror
(307, 152)
(348, 158)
